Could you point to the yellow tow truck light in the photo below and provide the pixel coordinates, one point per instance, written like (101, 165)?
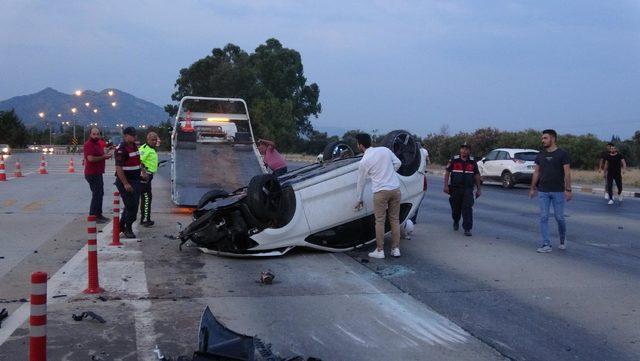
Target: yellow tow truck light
(216, 119)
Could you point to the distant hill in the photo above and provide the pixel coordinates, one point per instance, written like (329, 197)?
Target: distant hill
(128, 109)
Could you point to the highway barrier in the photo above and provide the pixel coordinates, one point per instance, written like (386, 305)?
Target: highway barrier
(92, 259)
(3, 175)
(18, 172)
(38, 317)
(71, 168)
(115, 241)
(43, 165)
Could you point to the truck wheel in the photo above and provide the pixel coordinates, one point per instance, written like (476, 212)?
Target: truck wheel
(405, 147)
(211, 196)
(337, 150)
(264, 198)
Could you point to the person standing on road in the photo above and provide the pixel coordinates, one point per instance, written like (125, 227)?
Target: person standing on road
(460, 177)
(552, 179)
(380, 164)
(94, 159)
(615, 165)
(272, 158)
(425, 154)
(149, 159)
(601, 168)
(129, 172)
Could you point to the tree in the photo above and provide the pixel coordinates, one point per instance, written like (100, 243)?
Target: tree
(12, 131)
(271, 81)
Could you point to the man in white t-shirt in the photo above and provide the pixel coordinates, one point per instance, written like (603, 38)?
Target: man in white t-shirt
(425, 154)
(380, 165)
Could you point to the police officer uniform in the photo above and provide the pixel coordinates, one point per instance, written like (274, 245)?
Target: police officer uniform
(149, 159)
(461, 183)
(127, 156)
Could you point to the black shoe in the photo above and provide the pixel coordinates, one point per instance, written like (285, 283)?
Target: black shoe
(129, 234)
(456, 226)
(148, 224)
(467, 233)
(102, 219)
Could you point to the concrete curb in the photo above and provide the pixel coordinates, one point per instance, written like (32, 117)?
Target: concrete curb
(576, 188)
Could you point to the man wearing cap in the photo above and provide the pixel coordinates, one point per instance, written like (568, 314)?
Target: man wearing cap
(129, 173)
(460, 177)
(149, 159)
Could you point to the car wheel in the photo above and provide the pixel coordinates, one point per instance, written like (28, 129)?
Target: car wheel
(507, 180)
(404, 146)
(264, 198)
(211, 196)
(336, 150)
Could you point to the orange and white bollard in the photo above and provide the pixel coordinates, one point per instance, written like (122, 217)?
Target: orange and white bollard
(92, 259)
(43, 165)
(3, 175)
(71, 168)
(18, 172)
(38, 317)
(115, 241)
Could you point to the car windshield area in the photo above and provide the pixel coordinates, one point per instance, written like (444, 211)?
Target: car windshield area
(526, 156)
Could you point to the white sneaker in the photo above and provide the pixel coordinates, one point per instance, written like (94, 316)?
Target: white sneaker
(620, 198)
(395, 252)
(376, 253)
(544, 249)
(610, 201)
(563, 244)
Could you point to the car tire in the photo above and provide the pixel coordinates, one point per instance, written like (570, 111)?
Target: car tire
(336, 150)
(264, 198)
(211, 196)
(507, 180)
(405, 147)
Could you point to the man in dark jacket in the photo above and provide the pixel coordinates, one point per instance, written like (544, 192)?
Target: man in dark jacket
(460, 177)
(129, 173)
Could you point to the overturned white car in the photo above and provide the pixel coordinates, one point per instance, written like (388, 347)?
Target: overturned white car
(309, 207)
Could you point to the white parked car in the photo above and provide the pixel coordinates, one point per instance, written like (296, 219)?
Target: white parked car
(47, 149)
(312, 206)
(508, 165)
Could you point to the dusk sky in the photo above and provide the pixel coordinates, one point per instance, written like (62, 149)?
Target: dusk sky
(419, 65)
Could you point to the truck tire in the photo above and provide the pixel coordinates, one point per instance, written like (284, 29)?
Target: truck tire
(336, 150)
(211, 196)
(405, 147)
(264, 198)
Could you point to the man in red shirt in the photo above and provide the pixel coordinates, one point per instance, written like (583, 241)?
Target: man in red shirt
(94, 157)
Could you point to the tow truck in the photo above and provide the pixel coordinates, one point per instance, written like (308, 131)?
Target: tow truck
(212, 150)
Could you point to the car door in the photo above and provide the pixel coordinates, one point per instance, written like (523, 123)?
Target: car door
(500, 164)
(487, 164)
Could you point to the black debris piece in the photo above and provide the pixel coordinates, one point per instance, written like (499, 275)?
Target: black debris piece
(364, 260)
(88, 314)
(266, 277)
(58, 296)
(3, 314)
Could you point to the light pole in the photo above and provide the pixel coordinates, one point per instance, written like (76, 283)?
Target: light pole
(41, 115)
(74, 111)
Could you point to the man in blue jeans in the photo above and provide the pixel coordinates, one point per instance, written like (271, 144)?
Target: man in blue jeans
(552, 178)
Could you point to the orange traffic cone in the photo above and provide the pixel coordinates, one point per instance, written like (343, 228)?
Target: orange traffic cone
(43, 165)
(71, 168)
(18, 172)
(187, 123)
(3, 175)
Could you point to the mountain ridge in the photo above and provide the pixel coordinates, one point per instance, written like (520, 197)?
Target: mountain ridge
(56, 106)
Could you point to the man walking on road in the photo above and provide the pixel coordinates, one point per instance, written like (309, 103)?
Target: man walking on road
(94, 157)
(149, 159)
(463, 173)
(380, 164)
(601, 168)
(615, 165)
(129, 172)
(552, 178)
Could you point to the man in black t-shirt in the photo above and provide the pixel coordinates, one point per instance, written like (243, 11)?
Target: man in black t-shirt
(615, 165)
(601, 168)
(552, 178)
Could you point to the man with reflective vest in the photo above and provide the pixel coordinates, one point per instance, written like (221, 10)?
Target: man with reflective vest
(149, 159)
(463, 173)
(129, 173)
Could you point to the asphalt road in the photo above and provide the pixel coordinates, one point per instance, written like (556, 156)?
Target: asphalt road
(490, 296)
(578, 304)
